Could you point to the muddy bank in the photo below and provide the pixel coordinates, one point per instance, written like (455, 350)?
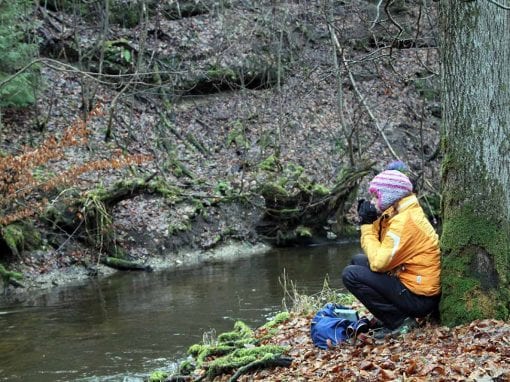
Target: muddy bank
(37, 283)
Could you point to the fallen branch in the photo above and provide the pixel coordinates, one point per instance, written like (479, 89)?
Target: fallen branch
(124, 265)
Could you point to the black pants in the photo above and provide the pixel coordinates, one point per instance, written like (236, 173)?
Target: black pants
(384, 295)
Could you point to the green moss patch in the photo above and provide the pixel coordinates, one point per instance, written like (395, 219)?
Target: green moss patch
(467, 294)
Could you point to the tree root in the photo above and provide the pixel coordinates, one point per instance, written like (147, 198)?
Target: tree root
(272, 361)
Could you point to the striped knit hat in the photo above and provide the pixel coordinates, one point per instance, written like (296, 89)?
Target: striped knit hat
(390, 186)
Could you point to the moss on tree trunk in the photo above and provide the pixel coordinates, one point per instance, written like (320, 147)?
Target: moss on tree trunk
(476, 172)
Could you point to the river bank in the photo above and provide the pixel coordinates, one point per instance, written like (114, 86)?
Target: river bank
(34, 282)
(479, 351)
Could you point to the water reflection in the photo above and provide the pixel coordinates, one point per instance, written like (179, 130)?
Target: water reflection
(133, 323)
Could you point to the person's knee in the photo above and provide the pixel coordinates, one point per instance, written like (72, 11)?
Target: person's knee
(349, 275)
(360, 259)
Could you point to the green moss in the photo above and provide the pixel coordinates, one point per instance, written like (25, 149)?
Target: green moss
(195, 349)
(348, 231)
(237, 135)
(173, 228)
(223, 188)
(169, 192)
(468, 228)
(277, 320)
(7, 275)
(13, 237)
(320, 189)
(21, 236)
(241, 332)
(210, 351)
(273, 190)
(293, 171)
(243, 357)
(186, 367)
(271, 164)
(464, 299)
(218, 73)
(158, 376)
(303, 231)
(118, 55)
(231, 350)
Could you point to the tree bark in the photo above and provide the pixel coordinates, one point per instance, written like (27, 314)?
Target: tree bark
(476, 166)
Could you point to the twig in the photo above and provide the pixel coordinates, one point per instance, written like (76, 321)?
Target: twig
(363, 102)
(393, 21)
(499, 5)
(340, 94)
(63, 67)
(378, 8)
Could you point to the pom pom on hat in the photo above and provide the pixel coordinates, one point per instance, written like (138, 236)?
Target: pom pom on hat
(390, 186)
(399, 166)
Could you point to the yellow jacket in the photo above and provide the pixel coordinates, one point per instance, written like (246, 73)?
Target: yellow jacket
(403, 242)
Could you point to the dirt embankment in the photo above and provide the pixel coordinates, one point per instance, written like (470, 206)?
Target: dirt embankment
(225, 101)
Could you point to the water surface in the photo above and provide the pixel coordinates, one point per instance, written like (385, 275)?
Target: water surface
(123, 327)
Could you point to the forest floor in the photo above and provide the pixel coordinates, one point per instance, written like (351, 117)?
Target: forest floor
(479, 351)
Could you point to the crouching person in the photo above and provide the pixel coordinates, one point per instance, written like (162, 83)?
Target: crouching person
(398, 277)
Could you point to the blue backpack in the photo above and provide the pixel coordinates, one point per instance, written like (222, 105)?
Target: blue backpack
(336, 323)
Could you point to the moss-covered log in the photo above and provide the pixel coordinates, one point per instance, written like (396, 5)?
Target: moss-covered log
(256, 72)
(89, 216)
(236, 352)
(299, 217)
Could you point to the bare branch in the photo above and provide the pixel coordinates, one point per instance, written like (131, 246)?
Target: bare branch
(499, 5)
(361, 98)
(378, 8)
(393, 21)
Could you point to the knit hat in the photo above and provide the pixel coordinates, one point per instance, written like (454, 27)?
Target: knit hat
(390, 186)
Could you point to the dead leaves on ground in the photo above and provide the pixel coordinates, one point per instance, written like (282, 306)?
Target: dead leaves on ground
(479, 351)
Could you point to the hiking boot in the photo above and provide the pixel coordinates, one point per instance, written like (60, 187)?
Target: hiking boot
(375, 323)
(405, 327)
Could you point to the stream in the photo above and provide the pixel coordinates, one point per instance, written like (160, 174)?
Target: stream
(123, 327)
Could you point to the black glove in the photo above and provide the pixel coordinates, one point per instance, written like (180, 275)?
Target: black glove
(367, 212)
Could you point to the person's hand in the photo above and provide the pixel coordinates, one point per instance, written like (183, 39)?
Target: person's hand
(367, 212)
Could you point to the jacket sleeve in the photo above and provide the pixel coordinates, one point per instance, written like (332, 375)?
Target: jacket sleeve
(382, 253)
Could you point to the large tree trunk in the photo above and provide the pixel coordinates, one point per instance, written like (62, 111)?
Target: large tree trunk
(476, 166)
